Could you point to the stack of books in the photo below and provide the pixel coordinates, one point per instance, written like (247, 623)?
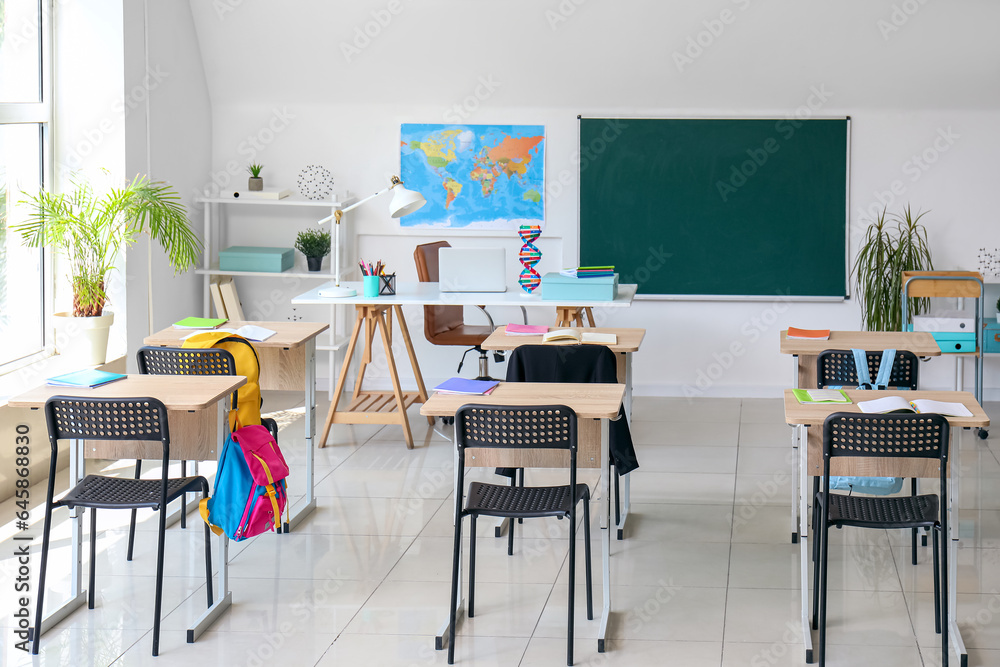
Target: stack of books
(589, 272)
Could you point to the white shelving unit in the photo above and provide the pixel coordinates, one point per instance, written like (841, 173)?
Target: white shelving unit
(214, 222)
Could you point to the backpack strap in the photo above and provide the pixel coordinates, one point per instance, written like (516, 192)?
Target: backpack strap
(861, 368)
(885, 369)
(271, 491)
(203, 510)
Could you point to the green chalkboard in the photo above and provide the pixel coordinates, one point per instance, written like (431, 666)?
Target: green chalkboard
(726, 207)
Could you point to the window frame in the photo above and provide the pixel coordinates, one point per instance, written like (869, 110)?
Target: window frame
(39, 113)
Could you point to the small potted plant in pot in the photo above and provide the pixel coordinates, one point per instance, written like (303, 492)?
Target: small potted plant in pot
(315, 245)
(255, 183)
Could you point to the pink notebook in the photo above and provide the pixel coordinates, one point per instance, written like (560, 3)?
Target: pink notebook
(525, 330)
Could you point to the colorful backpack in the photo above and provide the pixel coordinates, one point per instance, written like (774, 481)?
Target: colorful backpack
(250, 489)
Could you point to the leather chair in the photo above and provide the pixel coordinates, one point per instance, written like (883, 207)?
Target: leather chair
(445, 325)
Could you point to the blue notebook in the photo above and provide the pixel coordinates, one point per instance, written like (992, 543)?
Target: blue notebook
(86, 378)
(459, 385)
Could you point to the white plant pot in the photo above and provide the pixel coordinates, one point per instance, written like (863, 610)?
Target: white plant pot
(85, 339)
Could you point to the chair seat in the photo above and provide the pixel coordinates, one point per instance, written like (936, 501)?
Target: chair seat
(120, 493)
(882, 512)
(463, 334)
(523, 502)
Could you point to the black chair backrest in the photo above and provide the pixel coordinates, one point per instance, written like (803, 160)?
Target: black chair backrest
(516, 427)
(836, 368)
(185, 361)
(923, 436)
(106, 419)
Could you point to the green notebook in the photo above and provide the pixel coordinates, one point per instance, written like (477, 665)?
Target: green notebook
(821, 396)
(200, 323)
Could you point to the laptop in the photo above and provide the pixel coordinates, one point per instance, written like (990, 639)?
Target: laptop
(472, 270)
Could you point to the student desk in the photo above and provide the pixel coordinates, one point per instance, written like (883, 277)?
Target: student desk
(803, 415)
(287, 362)
(805, 351)
(197, 432)
(375, 314)
(599, 402)
(629, 341)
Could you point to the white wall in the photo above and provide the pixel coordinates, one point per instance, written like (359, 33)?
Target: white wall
(324, 83)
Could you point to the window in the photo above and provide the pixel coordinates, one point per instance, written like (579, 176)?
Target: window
(24, 121)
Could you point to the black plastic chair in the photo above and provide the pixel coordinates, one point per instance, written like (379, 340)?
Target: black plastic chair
(837, 368)
(529, 427)
(154, 360)
(915, 436)
(114, 419)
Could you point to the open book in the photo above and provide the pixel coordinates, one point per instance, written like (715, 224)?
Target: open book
(580, 336)
(821, 396)
(248, 331)
(922, 405)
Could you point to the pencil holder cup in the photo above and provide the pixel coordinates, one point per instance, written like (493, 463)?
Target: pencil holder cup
(387, 284)
(371, 286)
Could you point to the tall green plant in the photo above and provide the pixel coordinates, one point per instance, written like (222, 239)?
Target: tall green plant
(887, 251)
(91, 230)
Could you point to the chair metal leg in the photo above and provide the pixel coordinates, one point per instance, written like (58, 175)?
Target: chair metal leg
(587, 557)
(821, 591)
(946, 620)
(40, 598)
(618, 499)
(184, 501)
(937, 586)
(572, 580)
(913, 536)
(158, 600)
(816, 555)
(93, 556)
(131, 524)
(208, 551)
(472, 564)
(453, 615)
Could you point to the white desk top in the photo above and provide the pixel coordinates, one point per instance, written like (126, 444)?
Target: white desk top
(428, 294)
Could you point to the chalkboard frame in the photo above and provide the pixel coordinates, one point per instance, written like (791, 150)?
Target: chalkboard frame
(836, 230)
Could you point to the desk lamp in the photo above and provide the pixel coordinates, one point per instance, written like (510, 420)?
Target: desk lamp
(403, 203)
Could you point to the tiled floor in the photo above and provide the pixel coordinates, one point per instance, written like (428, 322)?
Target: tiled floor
(707, 576)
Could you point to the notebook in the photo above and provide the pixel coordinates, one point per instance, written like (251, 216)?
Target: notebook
(472, 270)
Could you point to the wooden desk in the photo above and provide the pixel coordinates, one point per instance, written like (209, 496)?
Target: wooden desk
(374, 314)
(197, 432)
(804, 415)
(806, 351)
(590, 402)
(287, 362)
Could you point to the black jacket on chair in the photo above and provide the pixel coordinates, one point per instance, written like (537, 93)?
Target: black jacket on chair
(577, 363)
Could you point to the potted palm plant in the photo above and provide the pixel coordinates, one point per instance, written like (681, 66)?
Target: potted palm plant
(90, 231)
(893, 244)
(315, 245)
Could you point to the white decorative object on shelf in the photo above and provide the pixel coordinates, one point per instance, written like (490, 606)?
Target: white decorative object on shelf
(989, 262)
(315, 182)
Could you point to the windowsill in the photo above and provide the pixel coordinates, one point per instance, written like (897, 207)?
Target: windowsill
(29, 376)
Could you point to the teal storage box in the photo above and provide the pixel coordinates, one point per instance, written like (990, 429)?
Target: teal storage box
(955, 341)
(991, 337)
(557, 287)
(252, 258)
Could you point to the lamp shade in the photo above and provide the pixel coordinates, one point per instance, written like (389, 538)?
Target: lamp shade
(405, 202)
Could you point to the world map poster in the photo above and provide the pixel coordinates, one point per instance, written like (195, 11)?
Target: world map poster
(474, 176)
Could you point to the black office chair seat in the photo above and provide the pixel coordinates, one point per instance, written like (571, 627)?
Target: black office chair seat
(882, 512)
(118, 493)
(520, 502)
